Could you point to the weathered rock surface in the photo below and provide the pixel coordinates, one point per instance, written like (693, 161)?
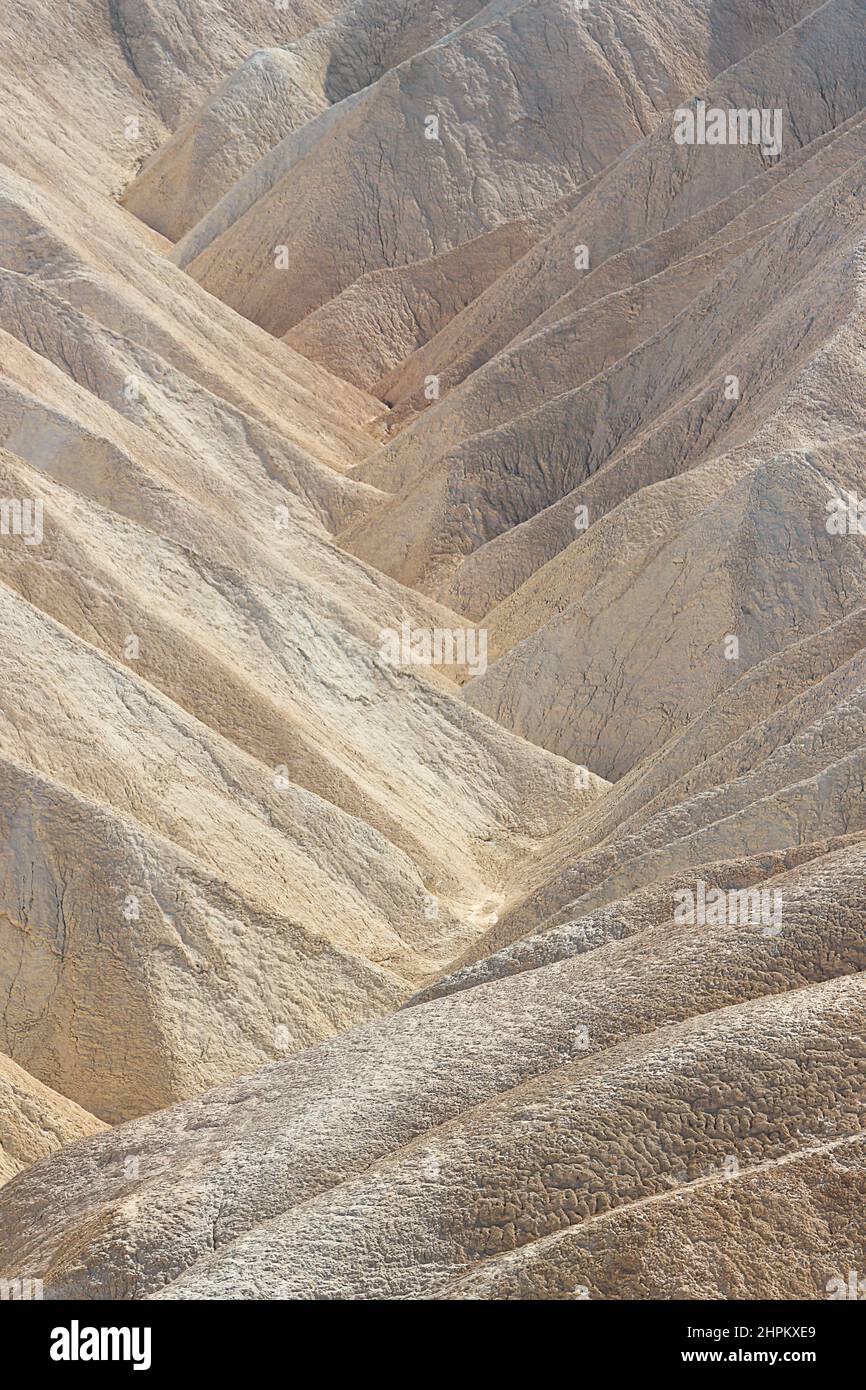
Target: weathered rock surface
(34, 1121)
(275, 92)
(531, 100)
(496, 1131)
(218, 750)
(539, 978)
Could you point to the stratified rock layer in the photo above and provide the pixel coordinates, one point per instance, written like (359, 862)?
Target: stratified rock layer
(539, 976)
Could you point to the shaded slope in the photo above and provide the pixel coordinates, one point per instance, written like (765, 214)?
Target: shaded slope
(518, 94)
(34, 1121)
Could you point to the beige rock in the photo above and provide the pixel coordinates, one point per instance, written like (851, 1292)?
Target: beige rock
(378, 185)
(35, 1121)
(275, 92)
(539, 975)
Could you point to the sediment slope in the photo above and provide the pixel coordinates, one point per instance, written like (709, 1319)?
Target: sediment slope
(399, 981)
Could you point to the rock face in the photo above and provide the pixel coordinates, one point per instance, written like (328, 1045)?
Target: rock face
(231, 828)
(34, 1121)
(532, 967)
(391, 1162)
(275, 92)
(511, 111)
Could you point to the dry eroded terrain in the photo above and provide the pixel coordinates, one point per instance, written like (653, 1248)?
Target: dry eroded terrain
(533, 975)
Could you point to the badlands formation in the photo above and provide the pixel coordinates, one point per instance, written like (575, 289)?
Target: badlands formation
(433, 718)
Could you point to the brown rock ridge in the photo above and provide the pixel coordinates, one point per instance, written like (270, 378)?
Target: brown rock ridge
(35, 1121)
(219, 749)
(508, 90)
(275, 92)
(387, 990)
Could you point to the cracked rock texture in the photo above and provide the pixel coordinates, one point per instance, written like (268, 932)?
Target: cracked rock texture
(325, 977)
(34, 1120)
